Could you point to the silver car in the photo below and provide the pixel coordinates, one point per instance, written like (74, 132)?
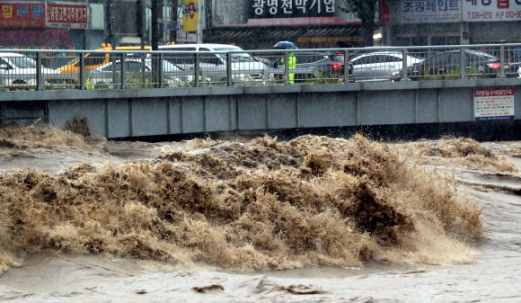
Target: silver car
(379, 66)
(138, 74)
(213, 61)
(18, 71)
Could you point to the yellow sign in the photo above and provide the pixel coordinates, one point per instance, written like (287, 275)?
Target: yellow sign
(191, 10)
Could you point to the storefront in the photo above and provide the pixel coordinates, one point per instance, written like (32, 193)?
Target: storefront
(260, 24)
(420, 23)
(47, 25)
(454, 22)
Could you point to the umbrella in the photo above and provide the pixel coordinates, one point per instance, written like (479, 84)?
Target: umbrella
(285, 45)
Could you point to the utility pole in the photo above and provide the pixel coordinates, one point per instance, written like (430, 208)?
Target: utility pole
(173, 13)
(200, 22)
(155, 24)
(110, 18)
(156, 63)
(142, 22)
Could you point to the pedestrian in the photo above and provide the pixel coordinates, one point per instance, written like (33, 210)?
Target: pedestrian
(292, 64)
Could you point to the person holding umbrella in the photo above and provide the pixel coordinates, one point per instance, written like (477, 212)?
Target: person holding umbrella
(292, 59)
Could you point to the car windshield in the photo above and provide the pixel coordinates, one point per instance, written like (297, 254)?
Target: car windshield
(22, 62)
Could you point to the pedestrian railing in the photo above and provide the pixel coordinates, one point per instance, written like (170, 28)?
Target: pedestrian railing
(88, 70)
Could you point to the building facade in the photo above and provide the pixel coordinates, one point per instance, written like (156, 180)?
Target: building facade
(454, 22)
(259, 24)
(51, 25)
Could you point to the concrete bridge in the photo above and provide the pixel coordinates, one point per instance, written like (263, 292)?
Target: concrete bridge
(425, 107)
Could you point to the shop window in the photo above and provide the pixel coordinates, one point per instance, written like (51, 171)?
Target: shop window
(403, 41)
(438, 40)
(453, 40)
(419, 41)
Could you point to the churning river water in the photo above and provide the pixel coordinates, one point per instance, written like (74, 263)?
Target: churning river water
(312, 219)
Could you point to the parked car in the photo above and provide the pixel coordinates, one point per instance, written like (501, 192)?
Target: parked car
(137, 74)
(379, 66)
(446, 65)
(313, 65)
(18, 71)
(96, 59)
(513, 70)
(213, 61)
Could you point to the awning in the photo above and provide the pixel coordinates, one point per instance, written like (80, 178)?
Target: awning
(303, 33)
(57, 37)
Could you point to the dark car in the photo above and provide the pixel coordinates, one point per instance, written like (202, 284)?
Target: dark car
(446, 65)
(513, 70)
(314, 65)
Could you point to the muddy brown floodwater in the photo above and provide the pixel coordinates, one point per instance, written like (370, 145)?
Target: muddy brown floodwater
(313, 219)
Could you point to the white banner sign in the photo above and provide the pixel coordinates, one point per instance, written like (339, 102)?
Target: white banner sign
(430, 11)
(491, 10)
(494, 104)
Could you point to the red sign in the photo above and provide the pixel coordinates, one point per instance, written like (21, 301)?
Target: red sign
(494, 104)
(22, 14)
(67, 15)
(503, 4)
(385, 13)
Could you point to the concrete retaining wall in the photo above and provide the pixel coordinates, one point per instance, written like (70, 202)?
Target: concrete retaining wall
(153, 112)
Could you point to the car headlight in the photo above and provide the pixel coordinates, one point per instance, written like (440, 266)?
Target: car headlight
(395, 73)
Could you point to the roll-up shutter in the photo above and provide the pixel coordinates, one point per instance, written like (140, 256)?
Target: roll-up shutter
(494, 32)
(35, 37)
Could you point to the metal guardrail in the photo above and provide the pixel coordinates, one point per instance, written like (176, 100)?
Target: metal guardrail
(24, 70)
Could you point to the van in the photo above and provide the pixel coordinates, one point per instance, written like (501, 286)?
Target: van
(213, 61)
(95, 60)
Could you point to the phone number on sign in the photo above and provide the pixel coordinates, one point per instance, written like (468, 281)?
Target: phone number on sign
(494, 15)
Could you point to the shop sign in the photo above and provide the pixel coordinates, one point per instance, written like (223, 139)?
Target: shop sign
(263, 9)
(63, 15)
(430, 11)
(191, 10)
(494, 104)
(491, 10)
(385, 13)
(22, 15)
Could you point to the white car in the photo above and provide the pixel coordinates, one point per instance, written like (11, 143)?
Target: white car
(213, 61)
(379, 66)
(138, 74)
(18, 71)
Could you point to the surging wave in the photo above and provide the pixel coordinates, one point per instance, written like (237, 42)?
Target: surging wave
(254, 206)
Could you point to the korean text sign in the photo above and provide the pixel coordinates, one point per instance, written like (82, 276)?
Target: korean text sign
(260, 9)
(494, 104)
(67, 15)
(430, 11)
(22, 14)
(491, 10)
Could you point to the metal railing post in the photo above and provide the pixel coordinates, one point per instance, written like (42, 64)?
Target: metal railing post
(196, 69)
(123, 76)
(502, 61)
(463, 63)
(83, 77)
(286, 68)
(143, 70)
(161, 72)
(229, 75)
(39, 76)
(113, 60)
(404, 64)
(346, 66)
